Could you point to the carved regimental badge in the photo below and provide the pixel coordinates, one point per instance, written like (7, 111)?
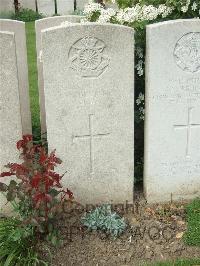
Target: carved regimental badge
(87, 57)
(187, 52)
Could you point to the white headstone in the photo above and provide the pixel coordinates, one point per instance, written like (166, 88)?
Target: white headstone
(40, 25)
(65, 7)
(172, 130)
(89, 98)
(18, 28)
(6, 6)
(46, 7)
(30, 4)
(10, 117)
(80, 4)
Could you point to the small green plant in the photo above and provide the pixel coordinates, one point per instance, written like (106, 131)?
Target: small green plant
(26, 15)
(36, 193)
(17, 244)
(102, 218)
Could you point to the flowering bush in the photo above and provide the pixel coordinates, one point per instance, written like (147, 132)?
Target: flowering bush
(138, 14)
(36, 193)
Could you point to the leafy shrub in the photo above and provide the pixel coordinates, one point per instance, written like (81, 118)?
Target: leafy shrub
(17, 244)
(102, 218)
(26, 15)
(37, 195)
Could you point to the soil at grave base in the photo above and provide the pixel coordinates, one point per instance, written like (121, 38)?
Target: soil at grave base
(154, 233)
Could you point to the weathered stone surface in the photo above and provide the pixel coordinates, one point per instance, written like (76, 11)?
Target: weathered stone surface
(6, 6)
(80, 4)
(18, 28)
(46, 7)
(65, 7)
(10, 117)
(89, 98)
(30, 4)
(172, 143)
(40, 25)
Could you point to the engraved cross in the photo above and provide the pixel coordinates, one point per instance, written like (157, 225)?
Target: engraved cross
(91, 136)
(189, 126)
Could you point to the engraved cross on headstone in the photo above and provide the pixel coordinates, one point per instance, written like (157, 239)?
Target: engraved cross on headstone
(91, 137)
(189, 126)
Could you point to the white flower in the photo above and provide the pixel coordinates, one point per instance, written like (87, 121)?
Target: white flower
(139, 68)
(120, 16)
(139, 52)
(92, 7)
(110, 11)
(184, 9)
(164, 10)
(140, 99)
(142, 113)
(194, 6)
(149, 12)
(106, 15)
(104, 18)
(138, 102)
(141, 96)
(129, 14)
(137, 13)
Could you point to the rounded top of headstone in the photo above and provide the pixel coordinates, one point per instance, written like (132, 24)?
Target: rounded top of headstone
(171, 22)
(89, 24)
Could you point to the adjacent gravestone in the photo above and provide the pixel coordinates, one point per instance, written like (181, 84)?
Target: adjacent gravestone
(172, 143)
(40, 25)
(80, 4)
(30, 4)
(89, 99)
(65, 7)
(6, 6)
(10, 117)
(18, 28)
(46, 7)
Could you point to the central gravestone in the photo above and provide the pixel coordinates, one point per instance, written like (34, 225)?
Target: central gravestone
(172, 143)
(89, 99)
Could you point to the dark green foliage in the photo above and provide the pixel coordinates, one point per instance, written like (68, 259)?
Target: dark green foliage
(26, 15)
(17, 244)
(102, 218)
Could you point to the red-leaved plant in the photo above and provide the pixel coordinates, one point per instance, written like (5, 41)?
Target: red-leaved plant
(36, 189)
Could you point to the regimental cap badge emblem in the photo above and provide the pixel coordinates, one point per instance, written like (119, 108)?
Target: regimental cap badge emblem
(187, 52)
(87, 57)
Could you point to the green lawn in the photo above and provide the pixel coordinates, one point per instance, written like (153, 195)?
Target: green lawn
(195, 262)
(192, 237)
(33, 85)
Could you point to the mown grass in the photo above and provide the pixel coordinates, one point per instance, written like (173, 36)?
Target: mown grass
(33, 84)
(181, 262)
(192, 236)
